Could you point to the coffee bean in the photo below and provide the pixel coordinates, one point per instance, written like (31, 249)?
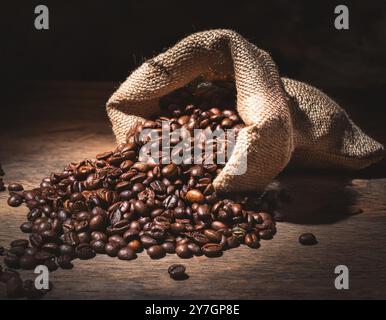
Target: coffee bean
(308, 239)
(182, 250)
(251, 240)
(135, 245)
(233, 242)
(212, 250)
(98, 222)
(27, 262)
(170, 171)
(98, 246)
(18, 251)
(126, 254)
(26, 227)
(169, 247)
(266, 234)
(112, 249)
(212, 235)
(15, 187)
(20, 243)
(14, 287)
(15, 200)
(177, 272)
(196, 250)
(195, 196)
(67, 250)
(11, 261)
(156, 252)
(64, 261)
(84, 251)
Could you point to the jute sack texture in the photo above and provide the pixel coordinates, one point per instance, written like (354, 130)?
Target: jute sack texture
(286, 120)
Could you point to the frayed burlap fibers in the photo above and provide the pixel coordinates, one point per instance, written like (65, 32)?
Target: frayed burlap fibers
(285, 119)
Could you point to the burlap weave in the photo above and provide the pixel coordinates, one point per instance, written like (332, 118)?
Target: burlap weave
(285, 119)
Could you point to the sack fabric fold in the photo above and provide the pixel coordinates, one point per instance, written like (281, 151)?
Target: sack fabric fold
(286, 120)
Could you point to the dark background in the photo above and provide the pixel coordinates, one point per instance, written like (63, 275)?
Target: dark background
(104, 40)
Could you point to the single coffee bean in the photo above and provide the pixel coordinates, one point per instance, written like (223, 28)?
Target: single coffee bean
(15, 200)
(15, 187)
(64, 261)
(182, 250)
(20, 243)
(170, 171)
(212, 235)
(26, 227)
(265, 234)
(14, 287)
(84, 251)
(98, 246)
(18, 251)
(196, 250)
(112, 249)
(126, 254)
(98, 222)
(177, 272)
(233, 242)
(156, 252)
(27, 262)
(12, 261)
(195, 196)
(308, 239)
(212, 250)
(135, 245)
(169, 247)
(251, 240)
(66, 249)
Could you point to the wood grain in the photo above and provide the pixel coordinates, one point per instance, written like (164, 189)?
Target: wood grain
(60, 123)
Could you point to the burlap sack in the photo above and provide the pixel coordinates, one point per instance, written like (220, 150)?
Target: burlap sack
(285, 119)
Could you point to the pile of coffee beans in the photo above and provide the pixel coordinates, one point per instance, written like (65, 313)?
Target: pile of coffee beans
(120, 206)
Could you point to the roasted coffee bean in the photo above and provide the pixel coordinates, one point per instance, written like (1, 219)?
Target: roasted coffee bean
(266, 234)
(308, 239)
(98, 235)
(18, 251)
(251, 240)
(182, 250)
(195, 196)
(14, 287)
(112, 249)
(233, 242)
(31, 251)
(170, 202)
(66, 249)
(170, 171)
(135, 245)
(177, 272)
(196, 250)
(20, 243)
(42, 256)
(15, 187)
(51, 265)
(64, 261)
(156, 252)
(212, 235)
(84, 237)
(84, 251)
(15, 200)
(71, 238)
(169, 247)
(118, 240)
(98, 246)
(11, 261)
(36, 240)
(98, 222)
(27, 262)
(212, 250)
(203, 212)
(126, 254)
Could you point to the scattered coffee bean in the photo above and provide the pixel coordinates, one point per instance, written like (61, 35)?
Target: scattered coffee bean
(15, 200)
(15, 187)
(177, 272)
(308, 239)
(64, 261)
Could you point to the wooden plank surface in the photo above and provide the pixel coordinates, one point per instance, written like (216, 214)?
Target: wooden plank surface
(66, 122)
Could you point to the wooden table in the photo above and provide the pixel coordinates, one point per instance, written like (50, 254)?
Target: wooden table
(50, 125)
